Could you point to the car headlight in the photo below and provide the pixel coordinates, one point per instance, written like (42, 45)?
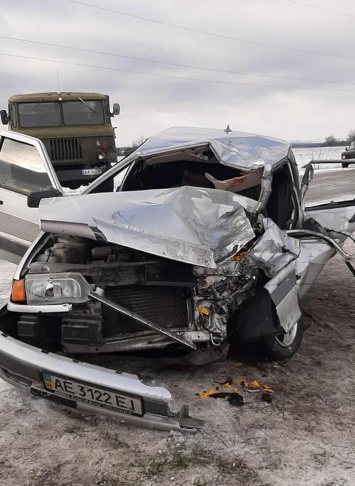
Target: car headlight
(61, 288)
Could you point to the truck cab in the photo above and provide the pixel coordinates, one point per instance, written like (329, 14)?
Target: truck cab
(75, 128)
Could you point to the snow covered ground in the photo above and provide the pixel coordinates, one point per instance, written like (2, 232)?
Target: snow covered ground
(304, 155)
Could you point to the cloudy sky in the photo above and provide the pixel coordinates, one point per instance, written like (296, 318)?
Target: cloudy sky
(284, 68)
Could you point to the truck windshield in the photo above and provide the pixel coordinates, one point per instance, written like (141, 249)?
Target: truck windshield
(39, 114)
(49, 114)
(83, 112)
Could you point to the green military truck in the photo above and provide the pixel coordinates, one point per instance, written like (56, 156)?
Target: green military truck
(74, 127)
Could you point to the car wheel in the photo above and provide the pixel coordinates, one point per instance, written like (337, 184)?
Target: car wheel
(283, 346)
(344, 165)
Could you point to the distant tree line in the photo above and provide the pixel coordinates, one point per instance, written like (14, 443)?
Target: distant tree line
(131, 148)
(331, 141)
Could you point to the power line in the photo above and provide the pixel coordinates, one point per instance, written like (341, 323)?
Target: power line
(174, 77)
(241, 73)
(321, 8)
(213, 34)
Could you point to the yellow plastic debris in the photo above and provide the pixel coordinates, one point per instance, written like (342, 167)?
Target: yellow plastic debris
(204, 311)
(243, 383)
(255, 384)
(226, 385)
(208, 393)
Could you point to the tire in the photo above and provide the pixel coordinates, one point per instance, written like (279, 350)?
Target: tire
(344, 165)
(282, 347)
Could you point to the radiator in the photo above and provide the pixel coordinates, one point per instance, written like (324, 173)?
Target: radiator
(165, 306)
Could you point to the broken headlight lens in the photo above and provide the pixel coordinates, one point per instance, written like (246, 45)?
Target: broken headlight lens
(63, 288)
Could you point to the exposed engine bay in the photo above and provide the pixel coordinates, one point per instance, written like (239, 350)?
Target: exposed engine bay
(194, 302)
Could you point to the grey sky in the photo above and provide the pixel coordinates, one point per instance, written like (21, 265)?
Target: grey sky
(150, 102)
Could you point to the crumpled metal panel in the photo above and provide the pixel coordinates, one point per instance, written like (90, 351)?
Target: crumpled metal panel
(235, 149)
(242, 154)
(220, 292)
(315, 253)
(196, 226)
(339, 219)
(283, 290)
(274, 249)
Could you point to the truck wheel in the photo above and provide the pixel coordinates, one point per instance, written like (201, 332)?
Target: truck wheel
(283, 346)
(344, 165)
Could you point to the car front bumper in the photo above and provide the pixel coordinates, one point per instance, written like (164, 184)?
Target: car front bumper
(26, 366)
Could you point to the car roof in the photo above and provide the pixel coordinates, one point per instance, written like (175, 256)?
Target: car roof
(234, 149)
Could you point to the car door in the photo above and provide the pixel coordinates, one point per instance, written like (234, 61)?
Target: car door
(329, 199)
(328, 206)
(24, 168)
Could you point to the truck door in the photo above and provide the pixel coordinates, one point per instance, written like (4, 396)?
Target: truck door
(24, 168)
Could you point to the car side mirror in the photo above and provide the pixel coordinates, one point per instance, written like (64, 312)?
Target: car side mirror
(4, 117)
(346, 148)
(35, 198)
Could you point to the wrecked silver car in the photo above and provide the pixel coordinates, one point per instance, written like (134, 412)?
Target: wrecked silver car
(204, 243)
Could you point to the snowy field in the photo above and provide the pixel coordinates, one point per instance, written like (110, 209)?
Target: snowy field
(304, 155)
(305, 437)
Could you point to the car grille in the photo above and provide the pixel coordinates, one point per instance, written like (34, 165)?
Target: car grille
(164, 306)
(65, 149)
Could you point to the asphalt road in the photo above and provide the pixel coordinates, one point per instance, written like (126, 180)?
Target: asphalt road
(332, 184)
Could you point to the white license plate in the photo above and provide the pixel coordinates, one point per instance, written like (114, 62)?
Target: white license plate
(90, 172)
(91, 394)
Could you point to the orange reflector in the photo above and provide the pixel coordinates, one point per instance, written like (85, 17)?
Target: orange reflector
(18, 293)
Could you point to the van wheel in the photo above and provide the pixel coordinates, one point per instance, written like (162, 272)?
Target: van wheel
(283, 346)
(344, 165)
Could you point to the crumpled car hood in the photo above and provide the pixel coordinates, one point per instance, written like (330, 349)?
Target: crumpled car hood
(196, 226)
